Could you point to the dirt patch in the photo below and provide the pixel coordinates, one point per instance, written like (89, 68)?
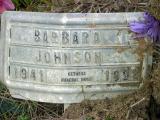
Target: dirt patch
(140, 105)
(115, 108)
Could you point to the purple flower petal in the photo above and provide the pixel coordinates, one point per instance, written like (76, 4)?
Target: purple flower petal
(149, 27)
(148, 17)
(2, 9)
(138, 27)
(8, 4)
(154, 31)
(158, 40)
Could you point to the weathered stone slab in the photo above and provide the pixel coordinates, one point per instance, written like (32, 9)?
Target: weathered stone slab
(66, 58)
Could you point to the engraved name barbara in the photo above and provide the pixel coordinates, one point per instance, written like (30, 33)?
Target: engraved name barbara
(80, 37)
(66, 37)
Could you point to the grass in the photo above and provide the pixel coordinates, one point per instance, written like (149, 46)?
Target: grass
(81, 5)
(89, 6)
(108, 118)
(85, 6)
(11, 108)
(15, 109)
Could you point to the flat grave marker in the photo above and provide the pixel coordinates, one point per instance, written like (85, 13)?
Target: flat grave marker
(69, 57)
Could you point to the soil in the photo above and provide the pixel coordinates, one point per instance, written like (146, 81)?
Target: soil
(143, 104)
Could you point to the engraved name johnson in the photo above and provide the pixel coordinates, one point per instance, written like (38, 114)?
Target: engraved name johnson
(69, 55)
